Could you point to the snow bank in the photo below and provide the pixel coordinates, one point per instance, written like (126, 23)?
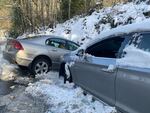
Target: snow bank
(80, 29)
(65, 98)
(126, 29)
(135, 27)
(7, 70)
(2, 61)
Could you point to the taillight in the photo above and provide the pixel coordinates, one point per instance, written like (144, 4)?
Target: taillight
(15, 44)
(18, 46)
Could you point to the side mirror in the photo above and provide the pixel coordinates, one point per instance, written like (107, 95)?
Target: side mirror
(80, 52)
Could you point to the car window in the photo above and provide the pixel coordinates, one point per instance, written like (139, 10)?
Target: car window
(141, 41)
(135, 39)
(144, 42)
(72, 46)
(135, 53)
(58, 43)
(107, 48)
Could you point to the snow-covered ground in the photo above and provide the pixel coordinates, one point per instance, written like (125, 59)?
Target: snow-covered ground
(65, 98)
(6, 69)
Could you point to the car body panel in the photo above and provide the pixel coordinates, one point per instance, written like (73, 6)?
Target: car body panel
(30, 52)
(98, 81)
(55, 54)
(132, 89)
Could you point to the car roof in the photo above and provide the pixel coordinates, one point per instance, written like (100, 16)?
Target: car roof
(59, 37)
(40, 39)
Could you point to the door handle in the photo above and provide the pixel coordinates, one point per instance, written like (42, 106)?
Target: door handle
(107, 70)
(110, 69)
(54, 50)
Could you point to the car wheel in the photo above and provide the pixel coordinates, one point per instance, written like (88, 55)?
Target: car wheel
(62, 69)
(40, 66)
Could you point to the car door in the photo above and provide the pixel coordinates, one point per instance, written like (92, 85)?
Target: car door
(133, 77)
(72, 46)
(56, 48)
(97, 73)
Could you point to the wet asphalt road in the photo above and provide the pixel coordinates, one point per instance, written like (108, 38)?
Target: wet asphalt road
(5, 87)
(13, 98)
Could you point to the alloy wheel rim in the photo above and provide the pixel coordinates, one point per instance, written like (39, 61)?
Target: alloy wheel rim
(41, 67)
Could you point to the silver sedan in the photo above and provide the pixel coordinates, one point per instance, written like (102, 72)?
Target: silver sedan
(38, 53)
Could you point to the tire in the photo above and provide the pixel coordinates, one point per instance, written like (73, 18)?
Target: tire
(62, 69)
(66, 78)
(40, 66)
(24, 71)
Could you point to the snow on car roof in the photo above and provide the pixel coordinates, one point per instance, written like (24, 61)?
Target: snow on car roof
(135, 27)
(143, 26)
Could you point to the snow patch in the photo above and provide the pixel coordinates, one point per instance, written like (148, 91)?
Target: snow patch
(135, 57)
(62, 98)
(67, 71)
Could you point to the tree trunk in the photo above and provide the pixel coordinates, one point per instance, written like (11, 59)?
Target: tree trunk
(42, 13)
(69, 9)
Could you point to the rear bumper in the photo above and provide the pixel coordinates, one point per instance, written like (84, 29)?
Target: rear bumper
(23, 62)
(12, 58)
